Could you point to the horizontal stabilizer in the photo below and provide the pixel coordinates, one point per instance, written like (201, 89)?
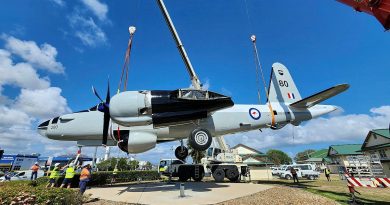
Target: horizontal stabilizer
(319, 97)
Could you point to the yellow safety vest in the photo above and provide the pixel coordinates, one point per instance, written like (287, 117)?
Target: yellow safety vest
(162, 169)
(69, 174)
(115, 171)
(54, 173)
(327, 171)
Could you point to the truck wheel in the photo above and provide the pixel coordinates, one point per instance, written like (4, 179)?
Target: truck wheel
(288, 177)
(232, 174)
(184, 173)
(219, 175)
(199, 178)
(181, 153)
(200, 139)
(311, 177)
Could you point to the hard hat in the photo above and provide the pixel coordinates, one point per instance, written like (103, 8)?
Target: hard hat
(57, 164)
(71, 164)
(36, 163)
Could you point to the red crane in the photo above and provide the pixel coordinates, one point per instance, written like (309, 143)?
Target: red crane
(378, 8)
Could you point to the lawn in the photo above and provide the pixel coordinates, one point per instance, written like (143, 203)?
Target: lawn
(336, 190)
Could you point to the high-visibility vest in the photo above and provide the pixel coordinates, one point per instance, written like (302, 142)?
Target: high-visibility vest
(55, 173)
(85, 174)
(327, 171)
(35, 168)
(115, 171)
(69, 174)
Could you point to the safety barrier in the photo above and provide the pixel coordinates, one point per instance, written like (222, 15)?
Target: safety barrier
(368, 182)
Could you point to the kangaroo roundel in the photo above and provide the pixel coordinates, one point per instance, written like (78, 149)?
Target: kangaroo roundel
(254, 113)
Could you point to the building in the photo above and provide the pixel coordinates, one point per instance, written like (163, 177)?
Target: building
(317, 158)
(377, 146)
(339, 156)
(9, 162)
(252, 157)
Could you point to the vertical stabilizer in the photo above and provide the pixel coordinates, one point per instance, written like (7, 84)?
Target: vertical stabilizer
(282, 87)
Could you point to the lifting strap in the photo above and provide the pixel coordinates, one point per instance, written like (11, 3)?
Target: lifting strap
(259, 67)
(125, 68)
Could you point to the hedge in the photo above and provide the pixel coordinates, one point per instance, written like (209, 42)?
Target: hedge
(27, 192)
(102, 178)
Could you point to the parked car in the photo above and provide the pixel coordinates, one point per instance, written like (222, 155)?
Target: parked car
(21, 175)
(303, 170)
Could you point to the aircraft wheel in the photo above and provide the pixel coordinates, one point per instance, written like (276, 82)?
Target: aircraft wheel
(200, 139)
(181, 153)
(232, 174)
(219, 175)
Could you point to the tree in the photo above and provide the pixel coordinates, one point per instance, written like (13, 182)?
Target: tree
(107, 165)
(278, 157)
(301, 156)
(196, 155)
(123, 165)
(134, 164)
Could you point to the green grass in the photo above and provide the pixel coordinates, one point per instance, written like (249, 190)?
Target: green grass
(336, 190)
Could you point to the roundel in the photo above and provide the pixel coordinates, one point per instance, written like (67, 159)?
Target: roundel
(254, 113)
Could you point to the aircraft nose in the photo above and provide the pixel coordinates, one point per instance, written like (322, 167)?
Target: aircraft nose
(42, 128)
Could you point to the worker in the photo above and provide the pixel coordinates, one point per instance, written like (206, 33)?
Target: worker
(69, 174)
(114, 173)
(34, 170)
(7, 176)
(294, 174)
(54, 175)
(327, 174)
(85, 176)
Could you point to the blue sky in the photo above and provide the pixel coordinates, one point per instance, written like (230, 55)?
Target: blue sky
(323, 43)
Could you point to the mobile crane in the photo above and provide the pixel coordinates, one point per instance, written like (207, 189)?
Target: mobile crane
(219, 162)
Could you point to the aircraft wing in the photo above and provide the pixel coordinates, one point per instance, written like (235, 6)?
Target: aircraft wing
(319, 97)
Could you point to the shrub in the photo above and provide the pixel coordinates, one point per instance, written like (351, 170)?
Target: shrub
(26, 192)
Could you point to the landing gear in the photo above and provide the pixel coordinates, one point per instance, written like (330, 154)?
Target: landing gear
(200, 139)
(181, 152)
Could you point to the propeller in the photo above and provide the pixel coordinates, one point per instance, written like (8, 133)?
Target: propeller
(104, 107)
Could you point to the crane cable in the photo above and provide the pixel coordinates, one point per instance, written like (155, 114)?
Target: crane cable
(125, 68)
(259, 67)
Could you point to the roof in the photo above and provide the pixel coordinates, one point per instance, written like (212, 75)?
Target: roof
(319, 154)
(314, 159)
(250, 148)
(382, 132)
(346, 149)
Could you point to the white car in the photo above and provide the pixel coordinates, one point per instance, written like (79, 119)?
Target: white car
(22, 175)
(303, 170)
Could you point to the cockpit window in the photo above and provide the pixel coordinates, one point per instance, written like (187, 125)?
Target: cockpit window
(55, 120)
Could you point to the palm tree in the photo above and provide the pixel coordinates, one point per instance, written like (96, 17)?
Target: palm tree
(196, 155)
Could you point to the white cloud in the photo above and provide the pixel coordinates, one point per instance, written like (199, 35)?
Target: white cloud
(98, 8)
(335, 129)
(86, 30)
(35, 99)
(43, 103)
(43, 57)
(10, 117)
(21, 74)
(59, 2)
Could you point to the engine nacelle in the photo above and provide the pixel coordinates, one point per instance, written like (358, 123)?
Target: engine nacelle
(131, 108)
(141, 142)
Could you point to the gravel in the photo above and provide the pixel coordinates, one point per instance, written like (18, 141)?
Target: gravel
(281, 195)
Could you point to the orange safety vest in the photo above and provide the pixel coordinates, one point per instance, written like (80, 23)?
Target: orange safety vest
(85, 174)
(35, 168)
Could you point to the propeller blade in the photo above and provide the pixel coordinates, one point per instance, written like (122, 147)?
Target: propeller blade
(106, 122)
(96, 93)
(107, 117)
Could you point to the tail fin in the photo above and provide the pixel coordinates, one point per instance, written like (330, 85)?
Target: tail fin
(282, 87)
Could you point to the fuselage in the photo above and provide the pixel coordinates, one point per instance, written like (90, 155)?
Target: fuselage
(86, 126)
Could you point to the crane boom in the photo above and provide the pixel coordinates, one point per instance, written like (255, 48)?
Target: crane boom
(194, 78)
